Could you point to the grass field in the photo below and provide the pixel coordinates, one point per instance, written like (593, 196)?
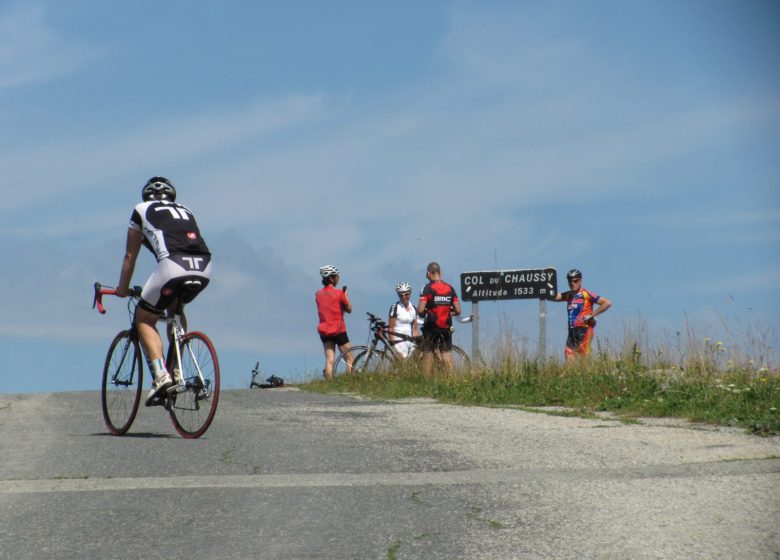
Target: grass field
(703, 381)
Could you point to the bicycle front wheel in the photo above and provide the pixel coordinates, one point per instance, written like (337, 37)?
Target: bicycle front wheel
(341, 366)
(193, 406)
(122, 381)
(373, 362)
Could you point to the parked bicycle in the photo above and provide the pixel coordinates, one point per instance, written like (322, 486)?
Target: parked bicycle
(192, 361)
(380, 356)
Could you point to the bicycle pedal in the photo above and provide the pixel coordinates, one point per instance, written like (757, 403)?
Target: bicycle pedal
(176, 389)
(157, 401)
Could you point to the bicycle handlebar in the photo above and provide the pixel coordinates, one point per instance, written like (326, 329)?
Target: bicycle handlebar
(101, 291)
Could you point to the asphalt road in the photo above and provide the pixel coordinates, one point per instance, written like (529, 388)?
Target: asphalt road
(283, 474)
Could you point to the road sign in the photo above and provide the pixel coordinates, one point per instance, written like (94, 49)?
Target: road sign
(491, 285)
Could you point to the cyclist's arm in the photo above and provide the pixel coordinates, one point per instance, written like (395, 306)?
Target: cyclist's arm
(456, 310)
(347, 303)
(391, 323)
(133, 246)
(603, 305)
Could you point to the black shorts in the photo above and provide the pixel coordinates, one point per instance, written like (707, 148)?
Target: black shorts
(576, 337)
(437, 339)
(340, 339)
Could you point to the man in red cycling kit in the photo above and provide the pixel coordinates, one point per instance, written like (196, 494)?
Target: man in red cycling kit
(331, 305)
(438, 303)
(582, 316)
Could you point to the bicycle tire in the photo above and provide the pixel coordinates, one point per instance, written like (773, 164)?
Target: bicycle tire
(373, 362)
(120, 394)
(192, 409)
(340, 365)
(461, 363)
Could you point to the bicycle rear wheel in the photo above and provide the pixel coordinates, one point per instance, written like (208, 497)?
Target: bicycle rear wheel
(461, 363)
(192, 408)
(340, 367)
(122, 381)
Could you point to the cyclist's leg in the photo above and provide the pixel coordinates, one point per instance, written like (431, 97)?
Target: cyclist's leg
(151, 307)
(427, 352)
(584, 348)
(444, 349)
(349, 357)
(574, 342)
(329, 347)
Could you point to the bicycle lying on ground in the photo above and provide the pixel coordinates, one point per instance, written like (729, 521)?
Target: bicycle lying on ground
(270, 383)
(192, 361)
(380, 356)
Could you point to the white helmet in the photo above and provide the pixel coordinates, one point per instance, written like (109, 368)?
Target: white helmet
(404, 288)
(328, 270)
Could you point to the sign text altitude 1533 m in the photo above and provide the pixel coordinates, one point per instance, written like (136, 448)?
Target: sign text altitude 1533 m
(491, 285)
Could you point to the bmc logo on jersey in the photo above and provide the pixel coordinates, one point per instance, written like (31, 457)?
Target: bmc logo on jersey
(192, 235)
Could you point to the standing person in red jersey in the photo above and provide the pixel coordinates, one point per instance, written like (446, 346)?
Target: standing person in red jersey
(582, 316)
(331, 305)
(438, 303)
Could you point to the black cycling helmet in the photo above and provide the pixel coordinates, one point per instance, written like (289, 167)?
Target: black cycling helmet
(573, 274)
(158, 188)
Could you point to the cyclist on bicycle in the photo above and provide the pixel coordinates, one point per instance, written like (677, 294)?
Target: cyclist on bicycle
(331, 305)
(438, 303)
(170, 232)
(582, 316)
(403, 319)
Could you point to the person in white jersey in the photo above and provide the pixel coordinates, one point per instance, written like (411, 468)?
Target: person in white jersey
(403, 319)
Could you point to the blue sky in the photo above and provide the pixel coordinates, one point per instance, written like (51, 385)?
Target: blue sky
(637, 141)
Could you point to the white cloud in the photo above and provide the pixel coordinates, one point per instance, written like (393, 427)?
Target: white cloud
(33, 53)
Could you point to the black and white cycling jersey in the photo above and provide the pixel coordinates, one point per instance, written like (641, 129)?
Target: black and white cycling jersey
(168, 228)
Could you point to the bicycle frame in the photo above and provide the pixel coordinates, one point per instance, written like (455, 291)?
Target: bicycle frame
(381, 331)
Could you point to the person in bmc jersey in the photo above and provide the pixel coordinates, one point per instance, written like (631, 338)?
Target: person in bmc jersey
(403, 320)
(331, 305)
(438, 303)
(582, 315)
(169, 230)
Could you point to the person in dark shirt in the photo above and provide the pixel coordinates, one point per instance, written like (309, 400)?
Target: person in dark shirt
(169, 230)
(438, 304)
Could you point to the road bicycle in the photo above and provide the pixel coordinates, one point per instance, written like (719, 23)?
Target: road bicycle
(270, 383)
(192, 361)
(379, 355)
